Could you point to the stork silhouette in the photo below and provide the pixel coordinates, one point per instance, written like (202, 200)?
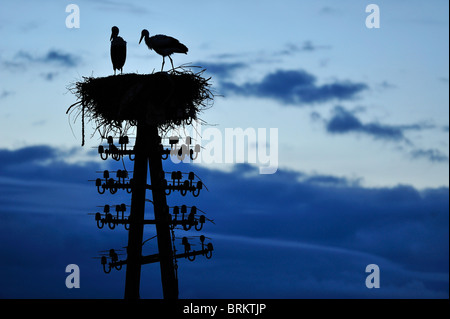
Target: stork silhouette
(118, 50)
(163, 45)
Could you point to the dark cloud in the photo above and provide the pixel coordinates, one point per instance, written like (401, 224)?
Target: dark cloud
(295, 88)
(49, 76)
(53, 57)
(115, 6)
(221, 69)
(5, 94)
(306, 46)
(287, 235)
(433, 155)
(43, 162)
(30, 154)
(345, 121)
(328, 10)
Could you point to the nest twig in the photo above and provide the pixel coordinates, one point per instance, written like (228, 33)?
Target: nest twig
(117, 103)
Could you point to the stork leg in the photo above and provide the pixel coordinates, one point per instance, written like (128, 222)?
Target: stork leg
(162, 67)
(171, 62)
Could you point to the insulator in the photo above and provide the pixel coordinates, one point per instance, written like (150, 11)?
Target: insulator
(202, 238)
(105, 174)
(98, 216)
(209, 248)
(98, 182)
(199, 226)
(183, 209)
(179, 175)
(103, 154)
(197, 148)
(190, 222)
(123, 140)
(176, 210)
(186, 183)
(184, 241)
(118, 209)
(112, 254)
(111, 184)
(110, 140)
(183, 150)
(106, 209)
(123, 207)
(173, 175)
(188, 140)
(202, 219)
(126, 140)
(196, 192)
(119, 173)
(193, 210)
(173, 140)
(108, 218)
(104, 260)
(191, 176)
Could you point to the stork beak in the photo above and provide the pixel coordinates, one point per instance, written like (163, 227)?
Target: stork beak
(142, 36)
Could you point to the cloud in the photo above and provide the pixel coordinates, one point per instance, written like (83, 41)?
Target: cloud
(221, 69)
(42, 162)
(433, 155)
(22, 59)
(49, 76)
(328, 10)
(344, 121)
(306, 46)
(5, 94)
(295, 88)
(287, 235)
(114, 6)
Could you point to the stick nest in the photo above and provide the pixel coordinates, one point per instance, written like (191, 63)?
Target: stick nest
(116, 103)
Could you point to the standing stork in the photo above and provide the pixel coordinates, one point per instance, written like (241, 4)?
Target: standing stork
(163, 45)
(118, 50)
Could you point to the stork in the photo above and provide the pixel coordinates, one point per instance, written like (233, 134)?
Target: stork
(163, 45)
(118, 50)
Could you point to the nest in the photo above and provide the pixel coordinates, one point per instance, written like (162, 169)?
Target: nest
(117, 103)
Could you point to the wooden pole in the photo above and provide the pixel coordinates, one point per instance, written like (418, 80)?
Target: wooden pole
(135, 233)
(162, 218)
(147, 150)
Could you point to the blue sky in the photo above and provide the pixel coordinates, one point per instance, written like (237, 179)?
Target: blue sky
(362, 118)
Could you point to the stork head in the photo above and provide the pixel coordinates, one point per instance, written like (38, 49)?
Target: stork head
(114, 32)
(144, 33)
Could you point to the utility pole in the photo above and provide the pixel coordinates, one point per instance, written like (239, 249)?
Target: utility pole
(151, 103)
(148, 150)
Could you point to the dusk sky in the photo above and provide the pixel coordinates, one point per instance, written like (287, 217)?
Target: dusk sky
(363, 147)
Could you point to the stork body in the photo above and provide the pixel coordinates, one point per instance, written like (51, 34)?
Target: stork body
(118, 50)
(163, 45)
